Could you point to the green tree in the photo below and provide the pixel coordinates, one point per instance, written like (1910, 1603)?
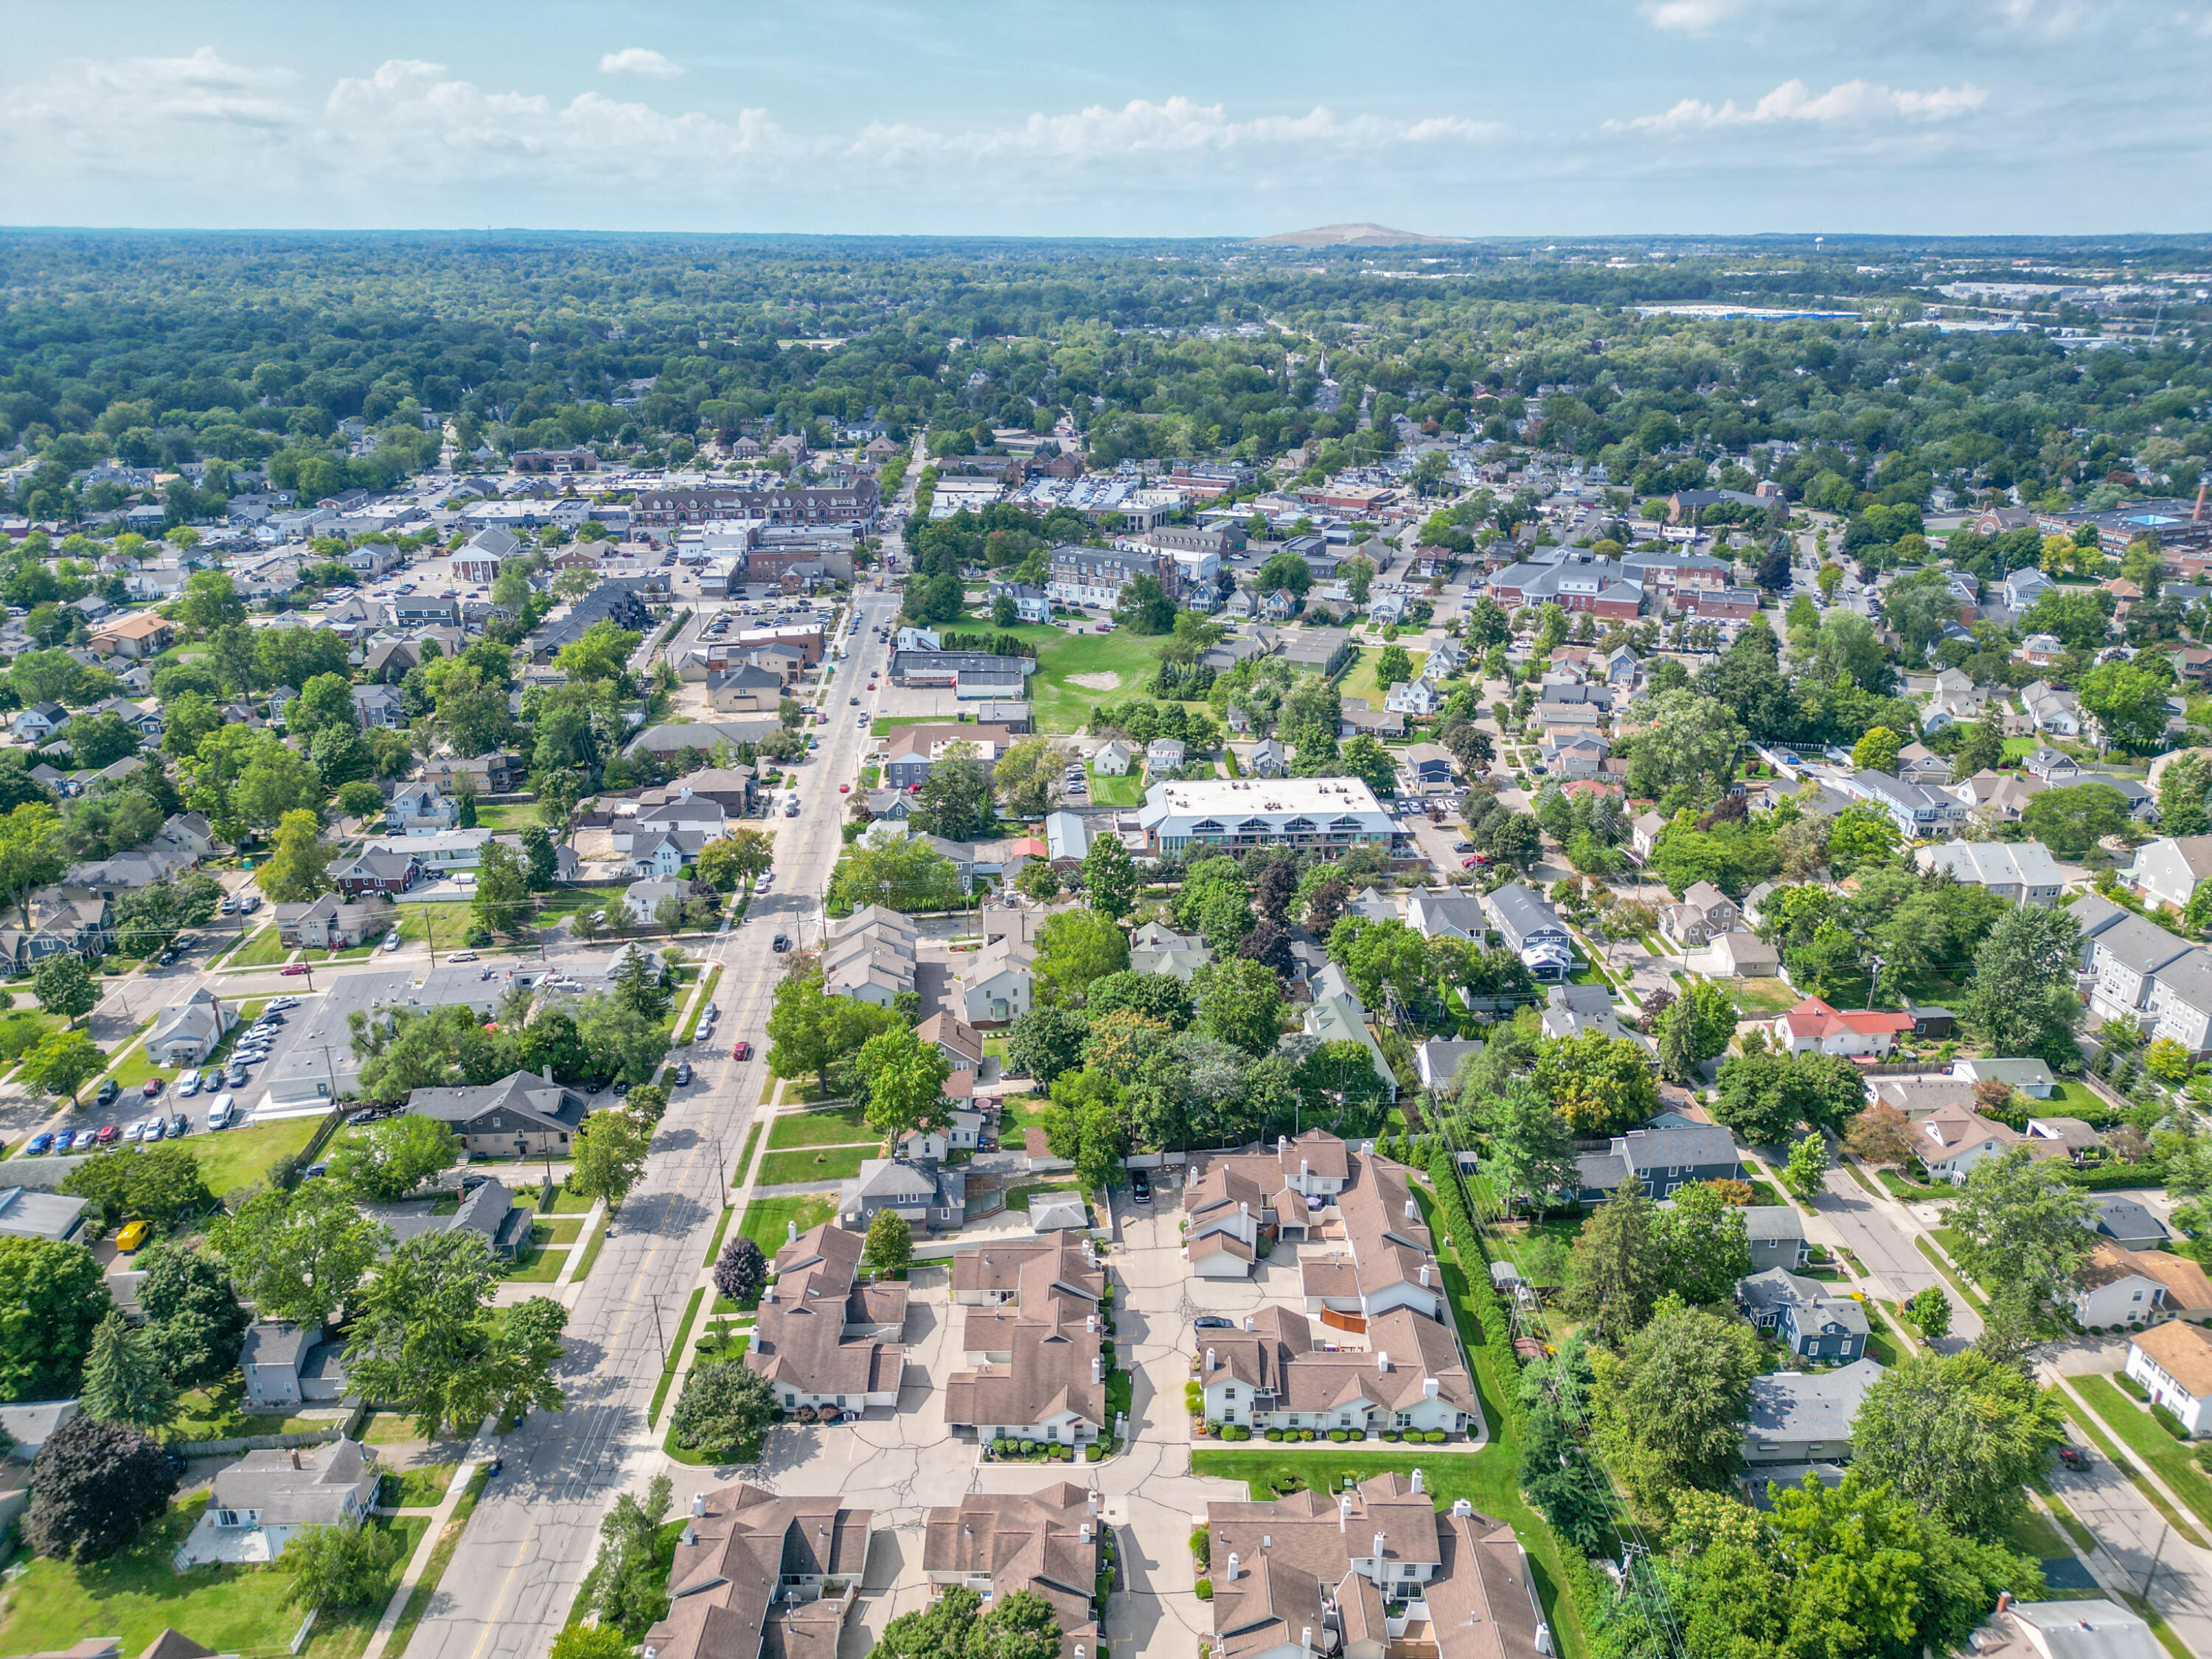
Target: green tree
(427, 1340)
(210, 599)
(340, 1566)
(32, 855)
(1600, 1084)
(1861, 836)
(639, 986)
(1702, 1239)
(123, 1380)
(160, 1184)
(1982, 748)
(1109, 877)
(737, 860)
(326, 700)
(502, 904)
(2072, 819)
(1877, 750)
(1143, 606)
(299, 869)
(1929, 1310)
(2182, 789)
(1958, 1435)
(52, 1298)
(627, 1580)
(1670, 1410)
(1240, 1003)
(1392, 665)
(192, 1311)
(299, 1255)
(2021, 1226)
(1806, 1172)
(609, 1153)
(1532, 1152)
(1686, 753)
(811, 1031)
(383, 1162)
(906, 875)
(63, 986)
(361, 799)
(1619, 1268)
(1698, 1025)
(1075, 947)
(955, 800)
(905, 1080)
(2129, 701)
(2020, 999)
(1047, 1042)
(1379, 957)
(890, 1243)
(61, 1063)
(1028, 775)
(1364, 758)
(724, 1413)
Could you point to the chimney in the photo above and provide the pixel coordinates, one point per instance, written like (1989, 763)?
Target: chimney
(1097, 1368)
(1305, 1170)
(549, 1076)
(1267, 1542)
(1429, 1388)
(295, 1457)
(1233, 1560)
(1413, 1211)
(1305, 1637)
(1282, 1145)
(1090, 1323)
(698, 1504)
(1382, 1546)
(1249, 1325)
(2196, 512)
(1461, 1508)
(791, 1231)
(1424, 1275)
(1382, 1359)
(1418, 1485)
(1344, 1514)
(1086, 1532)
(1092, 1501)
(1209, 1359)
(1243, 1207)
(652, 1653)
(2004, 1600)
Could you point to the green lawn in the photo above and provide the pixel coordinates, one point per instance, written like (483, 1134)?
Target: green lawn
(2019, 748)
(765, 1218)
(1061, 706)
(2150, 1445)
(137, 1595)
(827, 1163)
(21, 1027)
(414, 1489)
(1360, 679)
(745, 1158)
(1755, 997)
(833, 1126)
(592, 1247)
(1018, 1113)
(233, 1158)
(514, 815)
(1125, 790)
(260, 950)
(538, 1266)
(218, 1413)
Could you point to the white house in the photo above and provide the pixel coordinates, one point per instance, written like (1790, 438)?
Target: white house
(186, 1033)
(2118, 1286)
(1113, 758)
(2167, 871)
(1416, 697)
(2023, 871)
(2173, 1363)
(1953, 1140)
(994, 987)
(260, 1502)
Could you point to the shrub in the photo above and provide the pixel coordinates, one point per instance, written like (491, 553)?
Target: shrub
(1274, 1434)
(1234, 1431)
(1358, 1434)
(1435, 1437)
(1094, 1454)
(2169, 1422)
(1203, 1589)
(1390, 1435)
(1339, 1435)
(1306, 1434)
(1193, 1399)
(1063, 1453)
(1201, 1542)
(2131, 1386)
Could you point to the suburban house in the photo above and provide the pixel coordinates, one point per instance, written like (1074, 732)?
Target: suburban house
(188, 1032)
(1532, 930)
(438, 854)
(915, 749)
(1446, 913)
(2117, 1286)
(421, 809)
(2124, 1220)
(1234, 1200)
(994, 987)
(1815, 1027)
(2167, 871)
(824, 1340)
(287, 1365)
(1045, 1542)
(1704, 912)
(2023, 871)
(143, 634)
(334, 923)
(379, 705)
(1777, 1235)
(1802, 1314)
(522, 1113)
(1030, 1333)
(79, 919)
(960, 1043)
(1315, 1575)
(1337, 1015)
(928, 1194)
(759, 1575)
(389, 873)
(1805, 1416)
(1660, 1161)
(2075, 1628)
(1155, 949)
(1952, 1140)
(870, 956)
(1113, 758)
(2173, 1363)
(260, 1502)
(1273, 1373)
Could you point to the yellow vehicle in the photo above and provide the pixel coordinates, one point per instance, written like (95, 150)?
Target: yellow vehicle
(132, 1236)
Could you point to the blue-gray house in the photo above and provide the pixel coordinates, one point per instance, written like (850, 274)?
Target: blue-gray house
(1803, 1316)
(1660, 1161)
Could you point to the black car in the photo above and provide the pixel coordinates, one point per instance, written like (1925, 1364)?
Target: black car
(180, 1125)
(108, 1090)
(1140, 1186)
(1212, 1322)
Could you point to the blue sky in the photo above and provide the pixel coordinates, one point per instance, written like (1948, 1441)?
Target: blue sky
(1623, 117)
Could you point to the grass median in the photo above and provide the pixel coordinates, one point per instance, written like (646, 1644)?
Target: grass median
(675, 1355)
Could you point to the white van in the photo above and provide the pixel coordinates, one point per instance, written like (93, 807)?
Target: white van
(219, 1113)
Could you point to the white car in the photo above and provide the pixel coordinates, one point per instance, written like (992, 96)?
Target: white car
(136, 1130)
(391, 940)
(761, 882)
(188, 1085)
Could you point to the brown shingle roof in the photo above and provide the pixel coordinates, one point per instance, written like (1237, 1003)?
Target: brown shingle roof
(1033, 1542)
(2184, 1353)
(728, 1567)
(800, 1339)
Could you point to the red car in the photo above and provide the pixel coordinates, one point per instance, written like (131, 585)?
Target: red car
(844, 789)
(743, 1051)
(1467, 864)
(111, 1134)
(153, 1087)
(294, 968)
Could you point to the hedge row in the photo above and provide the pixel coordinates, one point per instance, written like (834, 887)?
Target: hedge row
(2112, 1176)
(1495, 1330)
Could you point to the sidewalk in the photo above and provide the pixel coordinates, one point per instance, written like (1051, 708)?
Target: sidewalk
(420, 1562)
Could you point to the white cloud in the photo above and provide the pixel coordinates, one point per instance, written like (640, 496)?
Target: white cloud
(1178, 126)
(1691, 16)
(141, 91)
(1849, 104)
(638, 60)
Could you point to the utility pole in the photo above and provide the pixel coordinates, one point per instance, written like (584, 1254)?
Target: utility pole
(659, 1336)
(2164, 1530)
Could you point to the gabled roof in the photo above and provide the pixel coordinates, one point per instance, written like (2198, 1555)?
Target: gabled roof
(1815, 1019)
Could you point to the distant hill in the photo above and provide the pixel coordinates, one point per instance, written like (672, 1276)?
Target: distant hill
(1353, 236)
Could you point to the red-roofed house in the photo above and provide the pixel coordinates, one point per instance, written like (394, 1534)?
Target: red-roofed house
(1813, 1027)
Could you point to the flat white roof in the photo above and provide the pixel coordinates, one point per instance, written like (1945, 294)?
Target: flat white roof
(1207, 796)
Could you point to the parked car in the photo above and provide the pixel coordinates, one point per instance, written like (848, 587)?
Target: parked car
(179, 1125)
(108, 1090)
(83, 1141)
(462, 956)
(1140, 1186)
(682, 1073)
(291, 968)
(391, 940)
(152, 1087)
(1212, 1322)
(188, 1085)
(219, 1114)
(110, 1135)
(779, 943)
(156, 1129)
(39, 1144)
(132, 1236)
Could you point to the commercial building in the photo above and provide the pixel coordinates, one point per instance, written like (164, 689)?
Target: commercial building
(1232, 814)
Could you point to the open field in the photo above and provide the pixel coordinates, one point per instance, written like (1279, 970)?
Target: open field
(765, 1218)
(833, 1126)
(1125, 790)
(1360, 679)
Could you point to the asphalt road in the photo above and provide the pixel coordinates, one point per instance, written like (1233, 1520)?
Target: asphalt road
(508, 1590)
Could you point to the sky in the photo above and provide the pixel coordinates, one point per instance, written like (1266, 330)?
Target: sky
(1133, 119)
